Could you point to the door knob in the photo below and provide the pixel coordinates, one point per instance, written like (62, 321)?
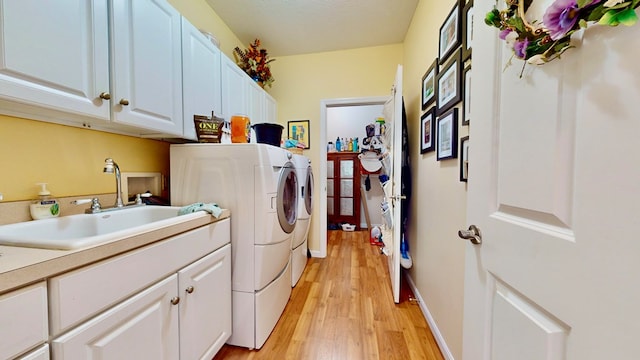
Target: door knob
(189, 289)
(105, 96)
(124, 102)
(473, 235)
(175, 300)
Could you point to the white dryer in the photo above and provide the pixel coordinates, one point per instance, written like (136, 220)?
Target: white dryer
(305, 206)
(258, 183)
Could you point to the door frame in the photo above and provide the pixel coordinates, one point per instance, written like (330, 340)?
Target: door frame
(324, 105)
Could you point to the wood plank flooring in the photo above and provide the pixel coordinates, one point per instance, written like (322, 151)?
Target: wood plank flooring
(342, 308)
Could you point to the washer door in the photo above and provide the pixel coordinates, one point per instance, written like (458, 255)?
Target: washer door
(308, 191)
(287, 203)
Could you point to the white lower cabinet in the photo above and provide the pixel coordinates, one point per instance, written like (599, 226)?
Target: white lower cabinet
(205, 305)
(142, 327)
(184, 314)
(41, 353)
(23, 320)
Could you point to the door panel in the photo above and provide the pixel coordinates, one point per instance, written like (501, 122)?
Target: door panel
(393, 166)
(554, 201)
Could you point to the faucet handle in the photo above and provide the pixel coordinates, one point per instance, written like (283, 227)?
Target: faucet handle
(95, 204)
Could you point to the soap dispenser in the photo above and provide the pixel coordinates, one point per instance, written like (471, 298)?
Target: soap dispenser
(45, 207)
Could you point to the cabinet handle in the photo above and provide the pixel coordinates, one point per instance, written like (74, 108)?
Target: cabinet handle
(175, 300)
(189, 290)
(105, 96)
(124, 102)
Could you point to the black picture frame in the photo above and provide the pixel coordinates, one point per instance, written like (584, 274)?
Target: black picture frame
(447, 135)
(429, 85)
(466, 99)
(449, 35)
(464, 159)
(448, 83)
(467, 30)
(428, 131)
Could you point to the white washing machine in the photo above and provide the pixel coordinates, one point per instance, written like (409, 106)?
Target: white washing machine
(258, 183)
(305, 205)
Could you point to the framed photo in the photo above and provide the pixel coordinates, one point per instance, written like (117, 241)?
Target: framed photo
(428, 131)
(429, 84)
(447, 132)
(449, 34)
(466, 101)
(464, 159)
(299, 130)
(448, 84)
(467, 30)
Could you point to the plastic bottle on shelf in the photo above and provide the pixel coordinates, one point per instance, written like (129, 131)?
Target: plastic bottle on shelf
(338, 144)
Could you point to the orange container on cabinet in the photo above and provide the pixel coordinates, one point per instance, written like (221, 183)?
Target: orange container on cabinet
(240, 126)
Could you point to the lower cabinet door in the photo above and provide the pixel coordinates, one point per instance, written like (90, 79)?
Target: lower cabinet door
(205, 309)
(144, 326)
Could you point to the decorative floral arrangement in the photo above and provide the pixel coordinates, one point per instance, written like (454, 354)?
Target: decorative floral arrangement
(255, 62)
(538, 43)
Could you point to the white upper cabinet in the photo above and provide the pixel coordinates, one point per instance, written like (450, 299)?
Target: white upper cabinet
(147, 65)
(201, 77)
(234, 87)
(270, 108)
(55, 56)
(132, 67)
(256, 101)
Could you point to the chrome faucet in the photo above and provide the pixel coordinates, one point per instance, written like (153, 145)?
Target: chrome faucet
(110, 167)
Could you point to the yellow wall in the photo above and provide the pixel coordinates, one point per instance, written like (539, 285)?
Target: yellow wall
(69, 159)
(438, 207)
(302, 81)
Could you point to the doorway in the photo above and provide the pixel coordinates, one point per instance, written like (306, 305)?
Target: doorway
(324, 106)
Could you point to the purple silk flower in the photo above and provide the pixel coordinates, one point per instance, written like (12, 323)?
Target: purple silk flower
(562, 16)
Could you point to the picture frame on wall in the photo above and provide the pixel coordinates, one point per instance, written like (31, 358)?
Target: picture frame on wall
(299, 130)
(448, 84)
(447, 135)
(467, 30)
(464, 159)
(429, 84)
(428, 131)
(449, 34)
(466, 101)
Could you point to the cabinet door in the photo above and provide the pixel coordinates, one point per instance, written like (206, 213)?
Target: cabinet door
(55, 56)
(143, 327)
(256, 102)
(270, 108)
(41, 353)
(147, 66)
(235, 89)
(343, 188)
(23, 320)
(205, 309)
(201, 77)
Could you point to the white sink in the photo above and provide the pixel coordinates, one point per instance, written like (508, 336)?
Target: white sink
(78, 231)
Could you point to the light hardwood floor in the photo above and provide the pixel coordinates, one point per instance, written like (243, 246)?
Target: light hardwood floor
(342, 308)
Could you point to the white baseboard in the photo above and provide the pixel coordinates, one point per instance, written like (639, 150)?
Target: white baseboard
(446, 353)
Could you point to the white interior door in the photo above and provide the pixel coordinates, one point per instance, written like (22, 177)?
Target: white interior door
(393, 165)
(554, 189)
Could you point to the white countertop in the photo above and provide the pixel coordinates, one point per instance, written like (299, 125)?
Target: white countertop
(20, 266)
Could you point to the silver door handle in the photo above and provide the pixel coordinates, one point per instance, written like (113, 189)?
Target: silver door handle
(473, 235)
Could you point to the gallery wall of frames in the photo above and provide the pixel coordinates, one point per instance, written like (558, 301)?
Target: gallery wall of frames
(446, 84)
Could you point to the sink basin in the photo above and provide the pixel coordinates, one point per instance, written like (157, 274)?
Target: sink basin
(78, 231)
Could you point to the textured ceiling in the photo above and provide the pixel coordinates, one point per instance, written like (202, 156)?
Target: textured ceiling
(290, 27)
